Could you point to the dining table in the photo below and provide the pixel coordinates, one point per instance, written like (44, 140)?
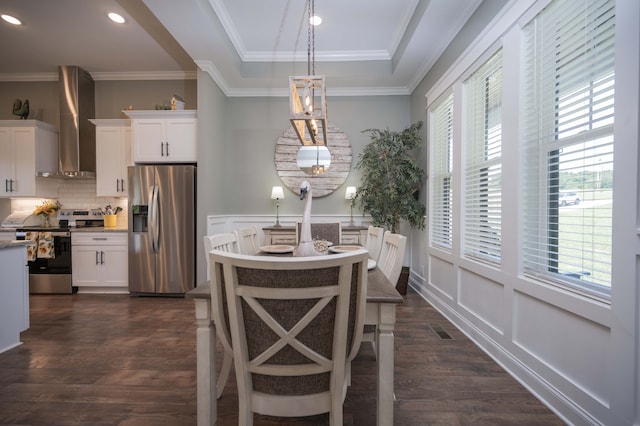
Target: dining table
(382, 299)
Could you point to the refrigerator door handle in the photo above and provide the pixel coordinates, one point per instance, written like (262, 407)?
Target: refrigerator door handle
(151, 219)
(154, 219)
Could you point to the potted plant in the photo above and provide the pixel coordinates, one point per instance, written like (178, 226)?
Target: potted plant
(391, 181)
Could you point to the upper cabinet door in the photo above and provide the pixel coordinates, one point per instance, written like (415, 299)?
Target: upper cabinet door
(6, 161)
(181, 137)
(113, 156)
(164, 136)
(27, 147)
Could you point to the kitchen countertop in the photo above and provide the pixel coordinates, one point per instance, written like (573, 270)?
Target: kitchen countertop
(89, 229)
(101, 229)
(9, 244)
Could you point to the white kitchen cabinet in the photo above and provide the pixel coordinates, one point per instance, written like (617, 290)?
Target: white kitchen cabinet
(7, 235)
(164, 136)
(100, 262)
(14, 295)
(26, 148)
(113, 156)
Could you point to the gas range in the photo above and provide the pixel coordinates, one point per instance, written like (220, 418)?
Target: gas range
(80, 218)
(66, 218)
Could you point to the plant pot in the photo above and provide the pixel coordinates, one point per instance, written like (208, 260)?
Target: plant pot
(45, 221)
(403, 280)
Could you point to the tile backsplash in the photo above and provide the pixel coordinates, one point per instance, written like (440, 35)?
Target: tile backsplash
(77, 194)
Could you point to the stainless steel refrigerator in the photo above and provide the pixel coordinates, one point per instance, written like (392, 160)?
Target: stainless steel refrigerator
(162, 206)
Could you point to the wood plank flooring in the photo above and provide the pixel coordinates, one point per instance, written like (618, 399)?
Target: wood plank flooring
(120, 360)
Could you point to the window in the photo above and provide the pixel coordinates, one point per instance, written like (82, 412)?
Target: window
(483, 162)
(568, 136)
(441, 172)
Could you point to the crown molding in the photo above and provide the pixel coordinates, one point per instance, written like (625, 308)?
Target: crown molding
(130, 75)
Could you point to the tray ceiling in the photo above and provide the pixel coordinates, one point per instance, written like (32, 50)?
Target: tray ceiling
(249, 47)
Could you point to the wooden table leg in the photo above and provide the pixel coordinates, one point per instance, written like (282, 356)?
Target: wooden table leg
(206, 363)
(385, 364)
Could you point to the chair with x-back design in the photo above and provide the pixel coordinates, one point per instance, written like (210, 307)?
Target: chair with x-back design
(296, 324)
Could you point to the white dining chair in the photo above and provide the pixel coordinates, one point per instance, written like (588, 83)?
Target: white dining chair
(328, 231)
(296, 325)
(390, 264)
(248, 240)
(227, 243)
(392, 255)
(373, 244)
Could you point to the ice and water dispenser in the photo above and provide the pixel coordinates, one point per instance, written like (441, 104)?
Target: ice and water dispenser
(140, 218)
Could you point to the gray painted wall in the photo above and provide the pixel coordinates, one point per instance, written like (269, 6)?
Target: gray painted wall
(111, 97)
(255, 124)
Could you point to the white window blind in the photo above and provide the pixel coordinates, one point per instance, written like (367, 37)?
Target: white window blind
(483, 162)
(441, 124)
(568, 136)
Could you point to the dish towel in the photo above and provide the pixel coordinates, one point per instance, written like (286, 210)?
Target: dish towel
(32, 248)
(46, 249)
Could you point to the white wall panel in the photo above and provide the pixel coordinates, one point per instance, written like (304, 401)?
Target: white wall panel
(442, 276)
(482, 297)
(216, 225)
(574, 347)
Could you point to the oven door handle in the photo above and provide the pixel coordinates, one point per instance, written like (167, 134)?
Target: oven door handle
(153, 218)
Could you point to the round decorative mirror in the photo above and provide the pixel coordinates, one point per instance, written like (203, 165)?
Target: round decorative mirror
(314, 160)
(324, 167)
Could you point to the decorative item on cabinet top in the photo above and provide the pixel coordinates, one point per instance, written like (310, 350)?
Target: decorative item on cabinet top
(21, 109)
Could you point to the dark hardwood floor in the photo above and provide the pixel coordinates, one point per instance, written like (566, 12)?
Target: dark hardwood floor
(120, 360)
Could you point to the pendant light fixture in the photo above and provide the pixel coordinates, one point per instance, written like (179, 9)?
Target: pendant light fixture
(307, 95)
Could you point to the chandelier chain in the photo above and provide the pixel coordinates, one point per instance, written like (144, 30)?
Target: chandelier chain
(311, 39)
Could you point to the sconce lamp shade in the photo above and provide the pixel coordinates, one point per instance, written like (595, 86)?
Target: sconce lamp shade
(277, 193)
(308, 108)
(350, 193)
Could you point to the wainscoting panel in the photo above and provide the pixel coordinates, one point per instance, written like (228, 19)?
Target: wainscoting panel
(482, 297)
(442, 276)
(572, 346)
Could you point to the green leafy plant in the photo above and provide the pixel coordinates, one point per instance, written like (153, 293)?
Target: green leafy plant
(391, 178)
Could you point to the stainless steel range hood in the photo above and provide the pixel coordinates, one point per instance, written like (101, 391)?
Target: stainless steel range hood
(77, 143)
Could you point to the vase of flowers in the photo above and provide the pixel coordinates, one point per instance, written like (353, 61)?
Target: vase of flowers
(46, 210)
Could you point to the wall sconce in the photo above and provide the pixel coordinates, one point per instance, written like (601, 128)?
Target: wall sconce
(277, 194)
(350, 194)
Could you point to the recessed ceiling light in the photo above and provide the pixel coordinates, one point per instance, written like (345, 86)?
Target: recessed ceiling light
(315, 20)
(117, 18)
(12, 20)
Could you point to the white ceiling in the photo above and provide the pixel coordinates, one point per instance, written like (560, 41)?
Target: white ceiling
(249, 47)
